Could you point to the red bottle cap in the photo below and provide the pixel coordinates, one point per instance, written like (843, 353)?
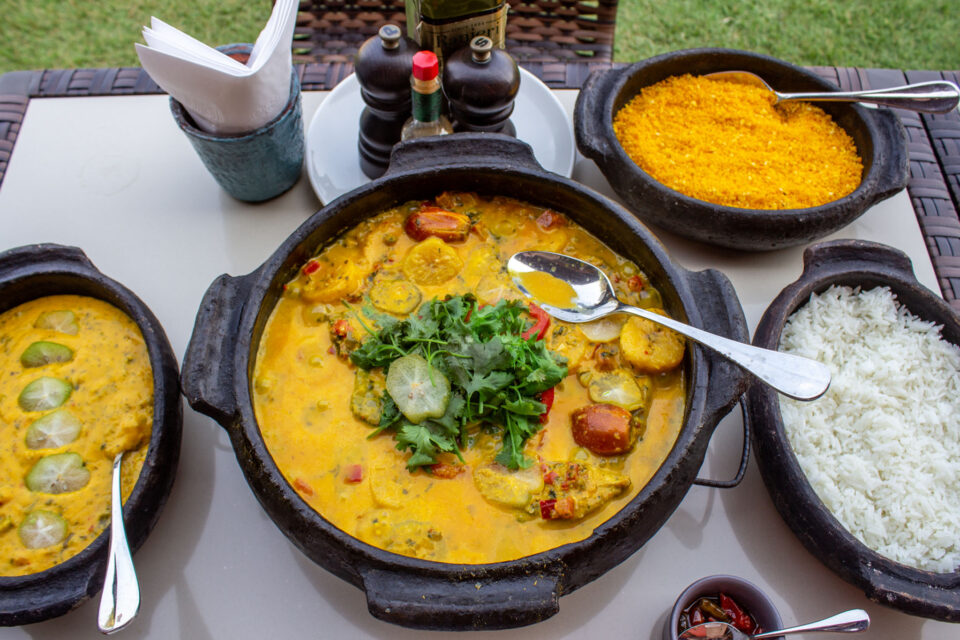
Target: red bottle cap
(425, 65)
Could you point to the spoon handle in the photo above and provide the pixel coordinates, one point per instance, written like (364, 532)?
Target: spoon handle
(791, 375)
(937, 96)
(846, 622)
(120, 600)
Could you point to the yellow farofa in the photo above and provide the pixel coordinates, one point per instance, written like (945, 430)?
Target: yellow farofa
(727, 143)
(113, 399)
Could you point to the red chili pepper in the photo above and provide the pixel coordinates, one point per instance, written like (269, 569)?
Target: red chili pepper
(547, 509)
(341, 328)
(635, 283)
(311, 266)
(547, 398)
(354, 474)
(302, 486)
(541, 322)
(550, 477)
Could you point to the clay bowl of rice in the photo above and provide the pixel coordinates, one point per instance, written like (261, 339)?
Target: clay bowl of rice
(868, 476)
(718, 162)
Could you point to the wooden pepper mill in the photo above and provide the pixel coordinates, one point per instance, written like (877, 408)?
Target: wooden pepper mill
(481, 83)
(383, 70)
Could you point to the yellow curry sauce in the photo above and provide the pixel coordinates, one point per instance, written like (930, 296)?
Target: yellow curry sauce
(77, 389)
(306, 389)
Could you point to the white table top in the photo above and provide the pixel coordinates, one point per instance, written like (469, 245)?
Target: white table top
(114, 176)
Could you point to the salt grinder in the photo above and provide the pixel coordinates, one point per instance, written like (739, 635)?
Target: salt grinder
(481, 83)
(383, 70)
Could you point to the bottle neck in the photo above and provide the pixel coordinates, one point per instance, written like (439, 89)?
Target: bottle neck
(425, 99)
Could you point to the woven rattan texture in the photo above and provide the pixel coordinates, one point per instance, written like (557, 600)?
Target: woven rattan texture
(541, 32)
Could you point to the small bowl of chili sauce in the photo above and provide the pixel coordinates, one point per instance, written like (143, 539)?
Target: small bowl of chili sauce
(726, 599)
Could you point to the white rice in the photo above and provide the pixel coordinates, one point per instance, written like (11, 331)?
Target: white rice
(882, 447)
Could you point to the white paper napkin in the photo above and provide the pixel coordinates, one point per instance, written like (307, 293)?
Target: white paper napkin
(223, 95)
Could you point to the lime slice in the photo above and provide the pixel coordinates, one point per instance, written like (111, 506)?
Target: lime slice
(42, 529)
(44, 393)
(53, 430)
(42, 352)
(61, 321)
(59, 473)
(419, 390)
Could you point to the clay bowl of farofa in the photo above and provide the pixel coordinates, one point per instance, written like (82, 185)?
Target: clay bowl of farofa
(749, 201)
(118, 389)
(851, 472)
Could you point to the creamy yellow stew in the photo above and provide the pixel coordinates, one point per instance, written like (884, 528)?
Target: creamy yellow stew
(77, 389)
(440, 444)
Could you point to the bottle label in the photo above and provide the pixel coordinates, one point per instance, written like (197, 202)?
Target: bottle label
(426, 106)
(444, 36)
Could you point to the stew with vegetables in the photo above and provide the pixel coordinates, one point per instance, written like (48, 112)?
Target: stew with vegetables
(412, 396)
(77, 389)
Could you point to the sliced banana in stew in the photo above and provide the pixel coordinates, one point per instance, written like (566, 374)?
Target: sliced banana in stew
(42, 529)
(431, 262)
(63, 321)
(41, 353)
(395, 296)
(53, 430)
(59, 473)
(44, 393)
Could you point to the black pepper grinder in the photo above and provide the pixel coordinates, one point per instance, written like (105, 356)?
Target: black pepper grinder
(383, 70)
(481, 83)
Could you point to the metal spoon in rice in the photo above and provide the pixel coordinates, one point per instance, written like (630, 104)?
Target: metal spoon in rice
(938, 96)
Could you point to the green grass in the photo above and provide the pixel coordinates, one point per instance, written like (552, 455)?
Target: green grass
(901, 34)
(898, 34)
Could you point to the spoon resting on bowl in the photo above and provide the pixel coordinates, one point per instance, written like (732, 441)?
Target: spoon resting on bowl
(576, 291)
(846, 622)
(937, 96)
(120, 600)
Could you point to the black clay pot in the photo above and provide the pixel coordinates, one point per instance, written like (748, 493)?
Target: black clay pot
(41, 270)
(432, 595)
(878, 134)
(850, 263)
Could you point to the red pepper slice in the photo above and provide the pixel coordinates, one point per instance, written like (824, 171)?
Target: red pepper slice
(547, 509)
(547, 398)
(354, 474)
(541, 322)
(310, 267)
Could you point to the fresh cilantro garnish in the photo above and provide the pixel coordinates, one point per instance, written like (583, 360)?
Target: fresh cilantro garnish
(496, 374)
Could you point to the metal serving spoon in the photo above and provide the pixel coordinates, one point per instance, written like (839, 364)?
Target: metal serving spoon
(846, 622)
(120, 600)
(593, 298)
(938, 96)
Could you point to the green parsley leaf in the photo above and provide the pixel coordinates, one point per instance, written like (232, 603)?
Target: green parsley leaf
(496, 375)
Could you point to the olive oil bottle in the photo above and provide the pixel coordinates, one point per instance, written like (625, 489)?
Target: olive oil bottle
(443, 26)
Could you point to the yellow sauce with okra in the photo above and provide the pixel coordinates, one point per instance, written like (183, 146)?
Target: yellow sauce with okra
(414, 398)
(77, 389)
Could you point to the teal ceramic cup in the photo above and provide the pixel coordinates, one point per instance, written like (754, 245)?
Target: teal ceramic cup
(254, 166)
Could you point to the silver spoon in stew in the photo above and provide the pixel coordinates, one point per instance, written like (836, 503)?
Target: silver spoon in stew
(936, 96)
(589, 296)
(846, 622)
(120, 600)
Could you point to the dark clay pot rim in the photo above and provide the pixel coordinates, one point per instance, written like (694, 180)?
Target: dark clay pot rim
(38, 270)
(886, 174)
(485, 157)
(868, 265)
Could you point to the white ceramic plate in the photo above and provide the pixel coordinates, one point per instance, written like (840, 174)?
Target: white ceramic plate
(333, 162)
